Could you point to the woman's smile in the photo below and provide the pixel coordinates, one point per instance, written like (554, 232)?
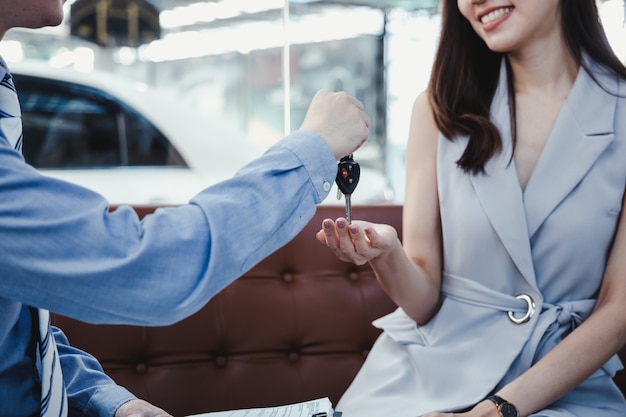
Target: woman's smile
(494, 17)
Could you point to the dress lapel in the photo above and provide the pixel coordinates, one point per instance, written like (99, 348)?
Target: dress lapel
(583, 130)
(499, 191)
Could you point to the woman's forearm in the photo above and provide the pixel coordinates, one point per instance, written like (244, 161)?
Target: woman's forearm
(572, 361)
(408, 283)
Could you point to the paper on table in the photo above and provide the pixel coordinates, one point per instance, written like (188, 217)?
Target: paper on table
(321, 407)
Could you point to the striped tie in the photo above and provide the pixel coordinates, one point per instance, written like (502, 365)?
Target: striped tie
(53, 397)
(10, 114)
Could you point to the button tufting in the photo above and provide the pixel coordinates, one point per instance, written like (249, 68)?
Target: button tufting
(220, 361)
(288, 277)
(141, 368)
(353, 276)
(294, 356)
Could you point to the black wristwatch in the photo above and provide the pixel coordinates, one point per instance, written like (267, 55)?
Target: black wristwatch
(505, 408)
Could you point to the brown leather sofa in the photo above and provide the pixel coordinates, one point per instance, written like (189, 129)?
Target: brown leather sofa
(295, 327)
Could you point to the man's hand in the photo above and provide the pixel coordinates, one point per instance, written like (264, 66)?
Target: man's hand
(140, 408)
(339, 119)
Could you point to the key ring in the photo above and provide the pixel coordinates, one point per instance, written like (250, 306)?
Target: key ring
(530, 310)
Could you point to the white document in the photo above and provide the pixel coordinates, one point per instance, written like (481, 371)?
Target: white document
(320, 407)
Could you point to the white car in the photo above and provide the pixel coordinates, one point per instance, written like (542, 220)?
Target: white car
(132, 144)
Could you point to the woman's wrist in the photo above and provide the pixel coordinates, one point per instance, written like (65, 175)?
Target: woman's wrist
(504, 407)
(390, 255)
(495, 406)
(485, 409)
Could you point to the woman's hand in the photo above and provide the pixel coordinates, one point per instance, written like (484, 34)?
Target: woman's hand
(140, 408)
(359, 242)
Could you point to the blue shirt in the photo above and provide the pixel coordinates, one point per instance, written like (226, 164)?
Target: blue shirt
(63, 250)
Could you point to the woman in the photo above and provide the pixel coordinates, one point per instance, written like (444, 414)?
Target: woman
(511, 279)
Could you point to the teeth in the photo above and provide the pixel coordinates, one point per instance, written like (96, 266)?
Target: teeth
(496, 14)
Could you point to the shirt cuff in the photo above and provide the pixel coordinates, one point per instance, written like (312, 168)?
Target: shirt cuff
(106, 400)
(317, 158)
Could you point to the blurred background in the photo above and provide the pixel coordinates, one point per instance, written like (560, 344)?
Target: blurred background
(246, 69)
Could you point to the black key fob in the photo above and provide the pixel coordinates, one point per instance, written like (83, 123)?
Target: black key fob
(348, 173)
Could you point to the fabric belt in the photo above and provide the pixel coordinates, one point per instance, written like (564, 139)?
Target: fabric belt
(470, 292)
(552, 318)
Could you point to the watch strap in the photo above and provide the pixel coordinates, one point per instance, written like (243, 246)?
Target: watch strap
(505, 408)
(498, 401)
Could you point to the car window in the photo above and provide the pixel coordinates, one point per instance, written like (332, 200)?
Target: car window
(69, 126)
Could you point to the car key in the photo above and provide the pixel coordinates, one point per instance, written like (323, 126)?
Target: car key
(348, 173)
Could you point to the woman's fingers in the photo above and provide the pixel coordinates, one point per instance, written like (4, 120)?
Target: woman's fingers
(348, 241)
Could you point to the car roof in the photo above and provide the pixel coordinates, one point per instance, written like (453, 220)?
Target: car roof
(195, 136)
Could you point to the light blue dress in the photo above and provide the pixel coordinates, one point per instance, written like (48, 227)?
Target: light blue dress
(549, 242)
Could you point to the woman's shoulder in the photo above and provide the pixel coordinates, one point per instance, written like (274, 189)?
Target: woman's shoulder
(423, 132)
(421, 104)
(423, 113)
(611, 79)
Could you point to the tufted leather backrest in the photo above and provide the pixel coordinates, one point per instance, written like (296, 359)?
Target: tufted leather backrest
(295, 327)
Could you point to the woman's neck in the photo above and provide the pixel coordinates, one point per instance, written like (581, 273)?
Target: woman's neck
(549, 71)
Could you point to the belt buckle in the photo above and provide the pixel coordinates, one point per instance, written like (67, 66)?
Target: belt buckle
(530, 311)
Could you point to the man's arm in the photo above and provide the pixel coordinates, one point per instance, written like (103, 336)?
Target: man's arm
(64, 251)
(90, 391)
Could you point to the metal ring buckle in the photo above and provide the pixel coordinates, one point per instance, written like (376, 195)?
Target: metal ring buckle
(529, 312)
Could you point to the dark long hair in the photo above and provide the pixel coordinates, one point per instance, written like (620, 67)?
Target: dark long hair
(465, 76)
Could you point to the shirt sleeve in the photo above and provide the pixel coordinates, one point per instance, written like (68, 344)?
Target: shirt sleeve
(90, 392)
(64, 250)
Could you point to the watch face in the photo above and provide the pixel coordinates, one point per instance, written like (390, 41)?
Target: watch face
(508, 410)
